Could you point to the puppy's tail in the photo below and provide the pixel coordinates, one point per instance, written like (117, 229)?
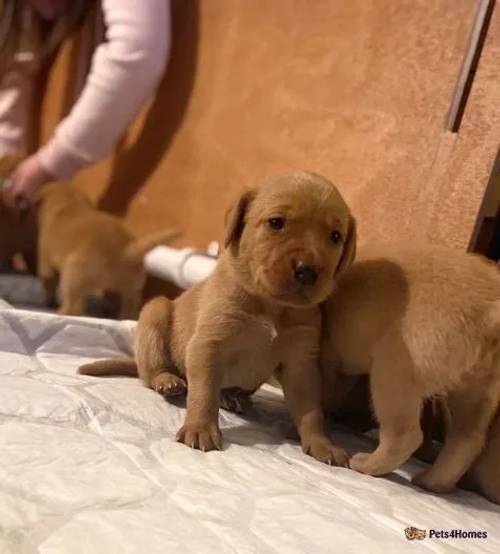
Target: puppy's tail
(141, 246)
(114, 366)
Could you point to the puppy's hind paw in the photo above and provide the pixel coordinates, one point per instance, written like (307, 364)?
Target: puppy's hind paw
(325, 451)
(168, 384)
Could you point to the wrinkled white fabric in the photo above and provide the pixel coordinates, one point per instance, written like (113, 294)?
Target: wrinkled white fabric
(90, 466)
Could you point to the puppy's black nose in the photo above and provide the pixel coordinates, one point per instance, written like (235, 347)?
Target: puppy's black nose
(305, 274)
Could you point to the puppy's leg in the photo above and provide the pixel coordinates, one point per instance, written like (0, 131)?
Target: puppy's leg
(152, 348)
(76, 285)
(204, 373)
(301, 381)
(484, 476)
(397, 405)
(471, 412)
(429, 450)
(49, 285)
(48, 276)
(301, 387)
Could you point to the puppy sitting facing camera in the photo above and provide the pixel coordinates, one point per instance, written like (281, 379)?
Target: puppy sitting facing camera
(286, 241)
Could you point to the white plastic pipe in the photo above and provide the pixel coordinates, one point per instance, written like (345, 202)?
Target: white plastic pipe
(184, 267)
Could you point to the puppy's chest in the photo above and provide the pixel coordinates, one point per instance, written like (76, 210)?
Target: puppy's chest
(251, 356)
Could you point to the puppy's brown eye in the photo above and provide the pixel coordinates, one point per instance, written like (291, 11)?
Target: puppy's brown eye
(276, 223)
(335, 237)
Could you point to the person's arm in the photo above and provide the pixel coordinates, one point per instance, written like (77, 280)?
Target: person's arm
(125, 70)
(15, 104)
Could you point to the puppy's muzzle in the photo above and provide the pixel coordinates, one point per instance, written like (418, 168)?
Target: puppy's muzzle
(305, 274)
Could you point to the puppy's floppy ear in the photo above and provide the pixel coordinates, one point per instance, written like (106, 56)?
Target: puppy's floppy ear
(234, 220)
(349, 252)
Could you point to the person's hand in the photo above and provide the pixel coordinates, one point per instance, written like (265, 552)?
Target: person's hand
(26, 181)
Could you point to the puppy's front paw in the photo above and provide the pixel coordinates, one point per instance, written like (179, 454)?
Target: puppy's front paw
(325, 451)
(430, 482)
(205, 437)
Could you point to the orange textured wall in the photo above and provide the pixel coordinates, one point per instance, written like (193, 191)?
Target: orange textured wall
(355, 90)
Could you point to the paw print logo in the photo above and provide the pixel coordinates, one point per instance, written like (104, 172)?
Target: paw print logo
(412, 534)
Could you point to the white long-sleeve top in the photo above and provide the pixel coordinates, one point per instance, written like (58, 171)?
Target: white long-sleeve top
(125, 70)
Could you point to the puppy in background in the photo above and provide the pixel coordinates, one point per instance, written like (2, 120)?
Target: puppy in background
(94, 259)
(287, 241)
(17, 228)
(422, 322)
(18, 232)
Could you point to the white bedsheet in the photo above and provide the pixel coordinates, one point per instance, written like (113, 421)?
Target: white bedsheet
(90, 466)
